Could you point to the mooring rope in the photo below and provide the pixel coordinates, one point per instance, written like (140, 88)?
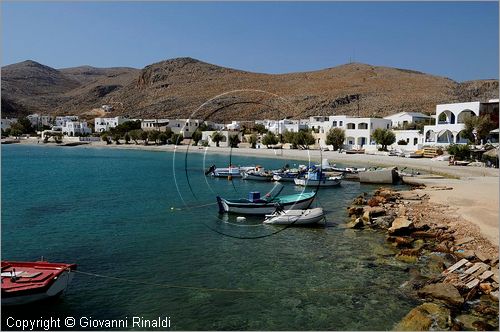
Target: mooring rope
(232, 290)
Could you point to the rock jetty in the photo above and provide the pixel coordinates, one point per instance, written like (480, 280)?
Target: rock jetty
(458, 275)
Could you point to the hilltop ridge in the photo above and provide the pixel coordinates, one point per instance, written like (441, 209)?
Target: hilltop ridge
(177, 87)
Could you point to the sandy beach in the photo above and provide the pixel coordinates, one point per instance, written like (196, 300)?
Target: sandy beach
(474, 195)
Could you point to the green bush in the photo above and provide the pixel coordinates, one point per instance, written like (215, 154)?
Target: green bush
(460, 151)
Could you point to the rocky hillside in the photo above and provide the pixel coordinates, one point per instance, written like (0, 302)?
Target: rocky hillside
(186, 87)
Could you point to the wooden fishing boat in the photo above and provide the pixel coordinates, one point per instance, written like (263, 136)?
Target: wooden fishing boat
(267, 205)
(295, 217)
(257, 176)
(318, 179)
(26, 282)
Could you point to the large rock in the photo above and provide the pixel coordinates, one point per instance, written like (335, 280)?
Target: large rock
(355, 211)
(401, 225)
(356, 223)
(446, 293)
(383, 221)
(425, 317)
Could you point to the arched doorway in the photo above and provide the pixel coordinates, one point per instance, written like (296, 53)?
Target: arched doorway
(445, 137)
(464, 115)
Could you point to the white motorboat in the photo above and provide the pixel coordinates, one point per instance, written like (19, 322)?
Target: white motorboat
(295, 217)
(225, 172)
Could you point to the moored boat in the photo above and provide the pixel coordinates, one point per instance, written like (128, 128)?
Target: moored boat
(225, 172)
(26, 282)
(257, 176)
(318, 179)
(267, 205)
(295, 217)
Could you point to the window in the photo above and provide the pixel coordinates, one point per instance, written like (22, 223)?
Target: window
(334, 124)
(415, 141)
(340, 123)
(351, 126)
(387, 126)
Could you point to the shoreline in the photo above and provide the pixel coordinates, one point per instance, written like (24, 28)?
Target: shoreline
(473, 194)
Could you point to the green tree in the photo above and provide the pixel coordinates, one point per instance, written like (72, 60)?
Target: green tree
(25, 125)
(116, 138)
(335, 137)
(269, 139)
(177, 139)
(153, 136)
(290, 137)
(481, 125)
(135, 135)
(127, 138)
(144, 136)
(196, 137)
(460, 151)
(259, 128)
(16, 130)
(217, 137)
(303, 139)
(253, 141)
(234, 140)
(384, 137)
(163, 138)
(105, 138)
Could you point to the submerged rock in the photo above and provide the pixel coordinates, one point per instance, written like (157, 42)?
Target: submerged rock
(444, 292)
(383, 221)
(424, 318)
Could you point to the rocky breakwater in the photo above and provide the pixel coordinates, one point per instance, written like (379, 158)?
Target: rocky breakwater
(453, 270)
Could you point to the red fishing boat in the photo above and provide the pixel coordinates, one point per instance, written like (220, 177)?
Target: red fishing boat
(26, 282)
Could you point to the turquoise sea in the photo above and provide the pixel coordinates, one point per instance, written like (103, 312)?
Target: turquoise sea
(148, 220)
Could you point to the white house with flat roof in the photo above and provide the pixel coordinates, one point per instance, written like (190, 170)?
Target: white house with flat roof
(38, 120)
(104, 124)
(279, 127)
(413, 138)
(75, 128)
(450, 120)
(61, 120)
(178, 126)
(404, 118)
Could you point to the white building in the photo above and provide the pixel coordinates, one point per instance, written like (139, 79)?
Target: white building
(207, 137)
(7, 123)
(404, 118)
(234, 126)
(450, 119)
(279, 127)
(358, 131)
(61, 120)
(74, 128)
(413, 138)
(104, 124)
(178, 126)
(38, 120)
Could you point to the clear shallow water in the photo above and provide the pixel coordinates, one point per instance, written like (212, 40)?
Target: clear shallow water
(110, 211)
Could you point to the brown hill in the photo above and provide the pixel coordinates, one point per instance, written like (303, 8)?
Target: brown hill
(186, 87)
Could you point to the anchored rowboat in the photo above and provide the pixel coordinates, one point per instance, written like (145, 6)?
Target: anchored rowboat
(26, 282)
(256, 205)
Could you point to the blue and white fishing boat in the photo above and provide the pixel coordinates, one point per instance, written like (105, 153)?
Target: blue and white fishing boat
(318, 179)
(267, 205)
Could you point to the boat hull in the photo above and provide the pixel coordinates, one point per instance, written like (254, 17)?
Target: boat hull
(295, 217)
(56, 289)
(257, 177)
(26, 282)
(318, 183)
(262, 208)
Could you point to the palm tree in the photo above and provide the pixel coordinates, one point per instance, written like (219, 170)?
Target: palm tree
(217, 137)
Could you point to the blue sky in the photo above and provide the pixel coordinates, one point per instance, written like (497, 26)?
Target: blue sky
(453, 39)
